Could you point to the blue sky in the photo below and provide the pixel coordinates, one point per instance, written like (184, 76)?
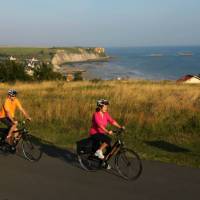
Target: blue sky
(99, 22)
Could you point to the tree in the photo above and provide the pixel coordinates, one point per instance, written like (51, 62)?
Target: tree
(78, 76)
(45, 72)
(12, 71)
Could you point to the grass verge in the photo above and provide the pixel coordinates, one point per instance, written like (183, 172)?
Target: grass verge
(162, 118)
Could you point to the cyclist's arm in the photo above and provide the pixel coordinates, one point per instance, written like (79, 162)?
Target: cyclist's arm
(112, 121)
(23, 110)
(117, 125)
(24, 113)
(104, 129)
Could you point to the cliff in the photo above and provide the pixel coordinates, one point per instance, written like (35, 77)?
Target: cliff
(67, 55)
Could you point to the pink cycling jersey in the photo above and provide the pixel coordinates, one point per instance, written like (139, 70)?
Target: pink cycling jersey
(100, 120)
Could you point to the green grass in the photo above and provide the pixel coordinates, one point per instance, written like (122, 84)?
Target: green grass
(43, 54)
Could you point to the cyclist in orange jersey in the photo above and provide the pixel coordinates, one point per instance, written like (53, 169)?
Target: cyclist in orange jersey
(7, 114)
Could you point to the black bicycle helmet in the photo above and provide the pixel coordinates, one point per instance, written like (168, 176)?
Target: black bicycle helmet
(12, 92)
(102, 102)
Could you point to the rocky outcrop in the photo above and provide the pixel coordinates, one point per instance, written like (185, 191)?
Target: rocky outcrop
(63, 56)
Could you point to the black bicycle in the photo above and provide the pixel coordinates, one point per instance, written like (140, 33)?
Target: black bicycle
(127, 162)
(30, 150)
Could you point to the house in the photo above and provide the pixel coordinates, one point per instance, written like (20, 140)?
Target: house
(32, 62)
(99, 50)
(71, 75)
(189, 79)
(29, 71)
(12, 58)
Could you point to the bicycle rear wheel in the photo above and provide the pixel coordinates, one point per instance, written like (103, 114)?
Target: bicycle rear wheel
(30, 150)
(88, 162)
(128, 164)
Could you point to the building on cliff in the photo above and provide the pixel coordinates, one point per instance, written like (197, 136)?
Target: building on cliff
(72, 74)
(11, 58)
(189, 79)
(99, 50)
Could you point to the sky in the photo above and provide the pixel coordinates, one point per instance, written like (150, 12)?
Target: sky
(106, 23)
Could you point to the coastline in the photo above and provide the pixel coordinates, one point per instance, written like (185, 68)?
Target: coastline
(102, 59)
(71, 67)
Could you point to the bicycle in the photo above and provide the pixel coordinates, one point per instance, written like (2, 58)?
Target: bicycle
(127, 162)
(30, 151)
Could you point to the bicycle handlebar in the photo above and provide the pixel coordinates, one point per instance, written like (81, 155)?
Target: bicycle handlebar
(23, 123)
(119, 131)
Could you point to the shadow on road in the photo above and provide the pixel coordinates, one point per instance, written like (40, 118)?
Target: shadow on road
(53, 151)
(166, 146)
(66, 155)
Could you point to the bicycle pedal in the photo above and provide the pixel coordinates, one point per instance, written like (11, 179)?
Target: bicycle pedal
(12, 149)
(5, 149)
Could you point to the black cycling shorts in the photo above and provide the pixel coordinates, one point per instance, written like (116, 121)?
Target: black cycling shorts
(7, 122)
(100, 137)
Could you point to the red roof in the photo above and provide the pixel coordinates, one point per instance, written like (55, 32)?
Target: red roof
(187, 77)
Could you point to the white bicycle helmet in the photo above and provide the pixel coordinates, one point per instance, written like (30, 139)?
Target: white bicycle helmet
(102, 102)
(12, 92)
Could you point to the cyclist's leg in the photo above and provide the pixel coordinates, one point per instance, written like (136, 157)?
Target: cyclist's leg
(105, 142)
(98, 138)
(12, 127)
(5, 132)
(96, 142)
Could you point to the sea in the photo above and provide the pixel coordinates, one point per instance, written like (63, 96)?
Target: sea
(153, 63)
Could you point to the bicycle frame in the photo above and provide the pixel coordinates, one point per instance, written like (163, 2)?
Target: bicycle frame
(21, 131)
(16, 141)
(115, 148)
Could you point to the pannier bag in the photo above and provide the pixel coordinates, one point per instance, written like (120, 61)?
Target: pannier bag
(84, 146)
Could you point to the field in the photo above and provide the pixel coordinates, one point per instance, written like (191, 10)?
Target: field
(162, 119)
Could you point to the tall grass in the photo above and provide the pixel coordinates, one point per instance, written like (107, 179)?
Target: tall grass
(151, 111)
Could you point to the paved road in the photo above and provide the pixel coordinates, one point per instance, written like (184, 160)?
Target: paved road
(56, 176)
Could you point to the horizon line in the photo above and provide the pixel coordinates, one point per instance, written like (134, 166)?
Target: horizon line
(92, 46)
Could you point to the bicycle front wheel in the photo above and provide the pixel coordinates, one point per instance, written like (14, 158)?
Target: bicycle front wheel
(128, 164)
(30, 150)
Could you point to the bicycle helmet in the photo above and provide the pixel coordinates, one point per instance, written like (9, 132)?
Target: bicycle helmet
(102, 102)
(12, 92)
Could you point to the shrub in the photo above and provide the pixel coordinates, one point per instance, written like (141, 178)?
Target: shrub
(45, 72)
(12, 71)
(78, 76)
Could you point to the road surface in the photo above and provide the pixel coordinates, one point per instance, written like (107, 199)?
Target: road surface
(57, 176)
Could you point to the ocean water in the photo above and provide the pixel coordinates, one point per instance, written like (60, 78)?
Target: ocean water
(158, 63)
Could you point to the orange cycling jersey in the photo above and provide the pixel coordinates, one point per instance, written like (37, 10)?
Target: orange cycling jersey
(10, 106)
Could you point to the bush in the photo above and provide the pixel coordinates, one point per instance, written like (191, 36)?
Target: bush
(78, 76)
(45, 72)
(11, 71)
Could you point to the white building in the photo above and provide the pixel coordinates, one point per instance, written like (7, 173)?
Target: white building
(189, 79)
(12, 58)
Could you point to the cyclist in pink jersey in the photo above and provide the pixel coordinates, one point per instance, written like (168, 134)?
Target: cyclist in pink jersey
(98, 131)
